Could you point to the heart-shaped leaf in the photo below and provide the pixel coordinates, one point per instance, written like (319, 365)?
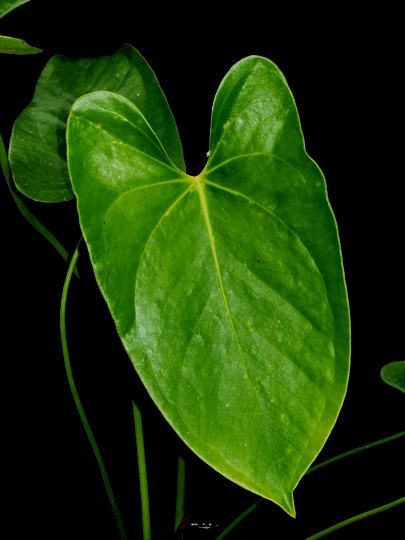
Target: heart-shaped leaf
(227, 289)
(37, 151)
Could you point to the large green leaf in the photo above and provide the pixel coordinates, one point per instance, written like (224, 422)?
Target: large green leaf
(37, 151)
(227, 289)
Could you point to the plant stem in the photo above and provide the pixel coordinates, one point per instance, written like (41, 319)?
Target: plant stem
(181, 481)
(140, 448)
(239, 519)
(29, 216)
(351, 452)
(76, 395)
(356, 518)
(312, 469)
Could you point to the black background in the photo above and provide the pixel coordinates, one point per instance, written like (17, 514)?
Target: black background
(343, 79)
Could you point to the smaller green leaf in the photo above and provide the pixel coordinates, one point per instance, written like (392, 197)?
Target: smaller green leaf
(29, 216)
(6, 6)
(9, 45)
(394, 375)
(37, 151)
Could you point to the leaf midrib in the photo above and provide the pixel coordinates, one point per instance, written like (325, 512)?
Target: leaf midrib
(211, 239)
(204, 206)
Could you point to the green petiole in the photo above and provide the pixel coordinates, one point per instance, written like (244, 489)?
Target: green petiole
(356, 518)
(76, 396)
(140, 448)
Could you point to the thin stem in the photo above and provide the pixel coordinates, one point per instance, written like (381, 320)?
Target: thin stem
(181, 484)
(312, 469)
(29, 216)
(351, 452)
(356, 518)
(140, 449)
(76, 395)
(239, 519)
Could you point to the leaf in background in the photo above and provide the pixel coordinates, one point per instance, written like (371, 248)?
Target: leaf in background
(6, 6)
(37, 151)
(394, 375)
(9, 45)
(227, 289)
(26, 212)
(4, 161)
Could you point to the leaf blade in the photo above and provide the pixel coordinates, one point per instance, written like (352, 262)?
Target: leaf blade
(393, 374)
(225, 305)
(7, 6)
(37, 151)
(303, 206)
(10, 45)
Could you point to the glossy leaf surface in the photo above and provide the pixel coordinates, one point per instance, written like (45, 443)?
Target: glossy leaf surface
(37, 151)
(227, 289)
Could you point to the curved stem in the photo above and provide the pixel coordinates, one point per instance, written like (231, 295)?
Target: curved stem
(312, 469)
(29, 216)
(140, 449)
(181, 484)
(76, 396)
(351, 452)
(356, 518)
